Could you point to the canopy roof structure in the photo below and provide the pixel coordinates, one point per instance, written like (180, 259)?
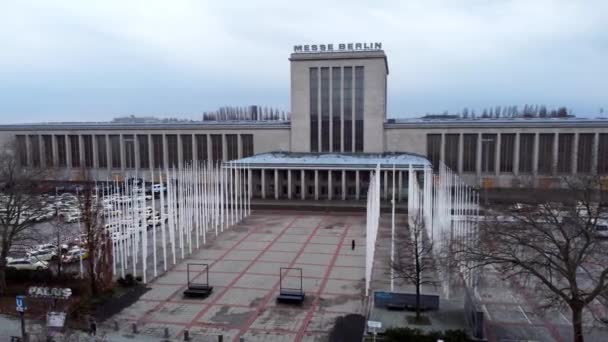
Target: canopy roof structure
(354, 161)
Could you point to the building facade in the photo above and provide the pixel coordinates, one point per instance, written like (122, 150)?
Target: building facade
(338, 110)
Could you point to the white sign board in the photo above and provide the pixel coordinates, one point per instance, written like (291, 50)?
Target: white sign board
(55, 319)
(374, 324)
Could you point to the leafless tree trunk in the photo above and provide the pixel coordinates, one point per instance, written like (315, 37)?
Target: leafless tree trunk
(98, 243)
(556, 246)
(413, 263)
(20, 205)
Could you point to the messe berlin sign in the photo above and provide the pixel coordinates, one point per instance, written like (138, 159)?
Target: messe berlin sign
(342, 47)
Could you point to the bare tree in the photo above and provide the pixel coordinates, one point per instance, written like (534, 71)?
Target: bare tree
(20, 205)
(95, 237)
(413, 263)
(556, 246)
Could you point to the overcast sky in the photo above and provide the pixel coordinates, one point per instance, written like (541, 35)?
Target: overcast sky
(94, 60)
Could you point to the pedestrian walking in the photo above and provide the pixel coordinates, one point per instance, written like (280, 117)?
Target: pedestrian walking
(352, 246)
(93, 328)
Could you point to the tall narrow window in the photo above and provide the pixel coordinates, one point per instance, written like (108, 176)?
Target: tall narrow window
(433, 149)
(61, 152)
(347, 102)
(488, 152)
(47, 141)
(336, 113)
(359, 97)
(102, 151)
(74, 150)
(564, 152)
(451, 150)
(158, 151)
(144, 151)
(526, 152)
(22, 150)
(172, 156)
(87, 142)
(129, 144)
(186, 148)
(115, 150)
(469, 151)
(602, 152)
(216, 147)
(314, 109)
(324, 109)
(201, 147)
(585, 152)
(507, 150)
(247, 142)
(545, 153)
(232, 147)
(35, 147)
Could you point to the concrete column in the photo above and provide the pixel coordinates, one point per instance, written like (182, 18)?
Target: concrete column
(136, 151)
(331, 118)
(289, 184)
(357, 185)
(95, 151)
(150, 152)
(479, 156)
(574, 161)
(343, 185)
(122, 152)
(208, 139)
(400, 183)
(385, 195)
(497, 154)
(460, 155)
(28, 150)
(276, 184)
(224, 148)
(41, 151)
(330, 190)
(194, 150)
(165, 152)
(516, 155)
(594, 153)
(55, 150)
(535, 155)
(263, 181)
(554, 160)
(317, 185)
(302, 185)
(239, 144)
(81, 150)
(68, 152)
(442, 148)
(180, 151)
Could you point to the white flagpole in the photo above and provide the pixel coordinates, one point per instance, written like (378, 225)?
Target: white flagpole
(162, 190)
(153, 219)
(393, 234)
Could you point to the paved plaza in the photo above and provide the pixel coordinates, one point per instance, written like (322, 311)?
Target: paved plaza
(244, 265)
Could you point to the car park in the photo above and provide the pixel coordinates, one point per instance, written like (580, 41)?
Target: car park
(42, 255)
(74, 254)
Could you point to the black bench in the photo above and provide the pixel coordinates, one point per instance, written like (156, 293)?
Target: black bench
(198, 290)
(291, 297)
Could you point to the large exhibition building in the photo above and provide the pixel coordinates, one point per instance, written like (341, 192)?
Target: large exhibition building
(338, 130)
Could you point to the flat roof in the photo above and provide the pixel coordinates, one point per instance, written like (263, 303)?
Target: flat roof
(232, 124)
(355, 161)
(495, 123)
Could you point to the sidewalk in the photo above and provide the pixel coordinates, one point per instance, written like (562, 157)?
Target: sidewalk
(11, 326)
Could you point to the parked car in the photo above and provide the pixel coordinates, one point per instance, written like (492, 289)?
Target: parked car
(26, 264)
(42, 255)
(73, 255)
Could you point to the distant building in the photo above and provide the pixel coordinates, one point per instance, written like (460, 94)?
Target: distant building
(338, 119)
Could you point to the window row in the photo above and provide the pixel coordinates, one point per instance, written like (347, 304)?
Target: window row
(545, 153)
(132, 151)
(336, 109)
